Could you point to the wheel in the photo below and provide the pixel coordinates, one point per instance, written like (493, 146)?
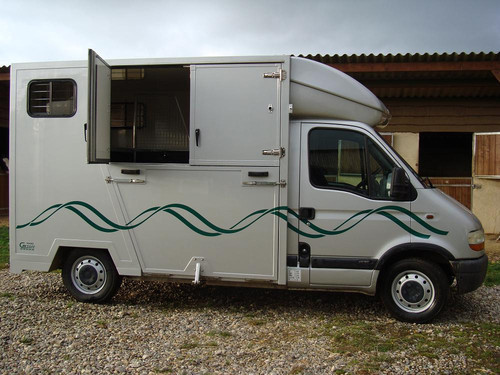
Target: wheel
(414, 290)
(90, 275)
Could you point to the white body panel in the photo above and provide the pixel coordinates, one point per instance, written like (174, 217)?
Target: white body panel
(49, 167)
(99, 109)
(231, 106)
(197, 214)
(318, 91)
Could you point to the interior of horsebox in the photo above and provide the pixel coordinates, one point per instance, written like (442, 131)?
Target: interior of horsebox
(150, 114)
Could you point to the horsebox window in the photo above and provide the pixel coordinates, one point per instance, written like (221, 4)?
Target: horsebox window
(52, 98)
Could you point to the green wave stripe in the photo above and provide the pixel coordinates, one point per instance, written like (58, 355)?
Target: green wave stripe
(185, 214)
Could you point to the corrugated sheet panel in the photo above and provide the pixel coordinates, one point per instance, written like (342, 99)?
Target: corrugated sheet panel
(406, 58)
(424, 83)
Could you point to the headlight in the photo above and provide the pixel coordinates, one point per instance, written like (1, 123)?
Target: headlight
(476, 240)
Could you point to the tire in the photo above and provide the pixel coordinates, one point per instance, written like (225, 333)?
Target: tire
(414, 290)
(90, 275)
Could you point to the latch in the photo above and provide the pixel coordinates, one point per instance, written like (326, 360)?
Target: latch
(281, 183)
(281, 74)
(275, 152)
(110, 179)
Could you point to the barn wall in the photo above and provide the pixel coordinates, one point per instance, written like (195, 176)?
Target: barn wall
(406, 144)
(438, 115)
(412, 116)
(4, 125)
(4, 104)
(485, 204)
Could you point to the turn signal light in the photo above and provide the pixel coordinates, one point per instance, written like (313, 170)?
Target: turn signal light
(476, 240)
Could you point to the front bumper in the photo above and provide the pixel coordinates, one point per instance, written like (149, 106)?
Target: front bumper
(470, 273)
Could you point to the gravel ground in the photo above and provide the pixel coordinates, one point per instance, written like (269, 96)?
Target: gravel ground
(160, 328)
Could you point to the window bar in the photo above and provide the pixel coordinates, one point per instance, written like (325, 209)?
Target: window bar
(49, 98)
(134, 128)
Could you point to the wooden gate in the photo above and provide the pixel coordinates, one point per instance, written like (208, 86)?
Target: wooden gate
(459, 188)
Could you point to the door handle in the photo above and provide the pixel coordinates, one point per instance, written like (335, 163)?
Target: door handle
(197, 137)
(307, 213)
(258, 174)
(131, 171)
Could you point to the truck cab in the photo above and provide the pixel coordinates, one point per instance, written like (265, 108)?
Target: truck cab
(367, 222)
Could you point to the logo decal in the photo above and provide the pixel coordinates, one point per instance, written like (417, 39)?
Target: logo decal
(27, 246)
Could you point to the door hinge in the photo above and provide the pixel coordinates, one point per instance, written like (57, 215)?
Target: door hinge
(281, 74)
(275, 152)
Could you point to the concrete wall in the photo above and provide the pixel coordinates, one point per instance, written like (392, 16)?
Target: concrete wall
(406, 144)
(485, 204)
(484, 200)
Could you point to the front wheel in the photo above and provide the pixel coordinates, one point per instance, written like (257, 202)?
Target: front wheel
(414, 290)
(90, 275)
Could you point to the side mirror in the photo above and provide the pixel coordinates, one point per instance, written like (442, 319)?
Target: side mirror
(400, 184)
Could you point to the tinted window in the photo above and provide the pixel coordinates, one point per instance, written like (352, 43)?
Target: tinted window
(380, 172)
(336, 159)
(52, 98)
(347, 160)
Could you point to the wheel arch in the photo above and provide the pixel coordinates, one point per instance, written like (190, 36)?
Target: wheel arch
(62, 253)
(429, 252)
(126, 262)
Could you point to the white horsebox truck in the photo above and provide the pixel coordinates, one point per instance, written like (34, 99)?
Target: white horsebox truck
(247, 171)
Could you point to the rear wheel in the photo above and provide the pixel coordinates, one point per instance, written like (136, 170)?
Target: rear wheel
(90, 275)
(414, 290)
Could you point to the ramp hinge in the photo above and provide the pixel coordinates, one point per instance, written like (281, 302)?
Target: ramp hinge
(281, 74)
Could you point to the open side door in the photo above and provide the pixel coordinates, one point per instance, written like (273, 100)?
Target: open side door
(99, 110)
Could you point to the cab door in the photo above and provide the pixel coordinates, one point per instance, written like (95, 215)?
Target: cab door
(347, 216)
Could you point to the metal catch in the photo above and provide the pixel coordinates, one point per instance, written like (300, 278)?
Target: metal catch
(110, 179)
(281, 183)
(281, 74)
(275, 152)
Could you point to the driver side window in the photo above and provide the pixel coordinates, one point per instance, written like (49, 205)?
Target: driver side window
(380, 172)
(348, 160)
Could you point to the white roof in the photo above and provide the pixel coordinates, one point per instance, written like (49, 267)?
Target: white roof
(319, 91)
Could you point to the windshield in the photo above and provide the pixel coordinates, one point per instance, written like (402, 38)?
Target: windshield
(425, 183)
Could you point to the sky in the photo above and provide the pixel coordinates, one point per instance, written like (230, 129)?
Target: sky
(47, 30)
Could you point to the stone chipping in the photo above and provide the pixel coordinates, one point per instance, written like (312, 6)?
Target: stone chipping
(162, 328)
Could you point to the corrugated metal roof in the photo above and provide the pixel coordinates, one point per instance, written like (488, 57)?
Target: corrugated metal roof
(463, 75)
(406, 58)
